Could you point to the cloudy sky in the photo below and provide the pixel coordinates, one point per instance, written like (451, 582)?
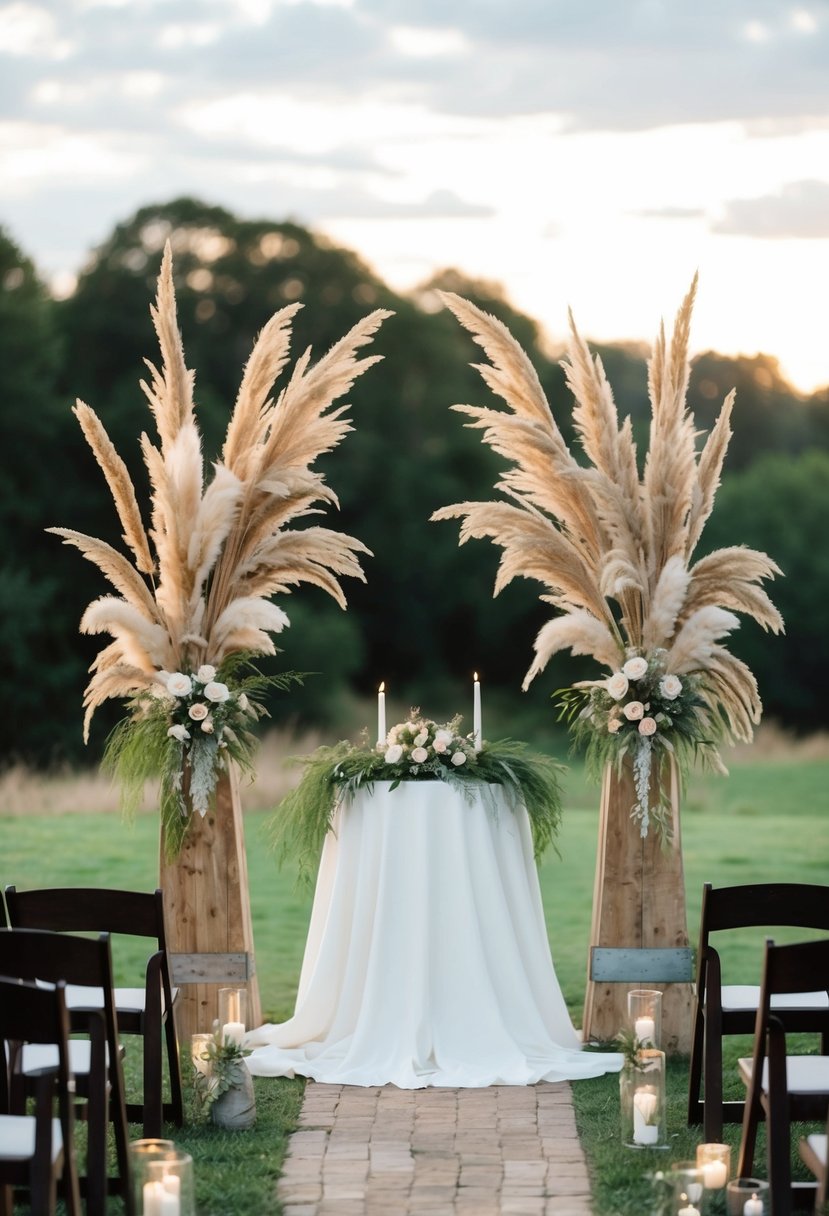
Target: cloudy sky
(586, 153)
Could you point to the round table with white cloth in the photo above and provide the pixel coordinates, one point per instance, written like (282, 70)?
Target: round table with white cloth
(427, 960)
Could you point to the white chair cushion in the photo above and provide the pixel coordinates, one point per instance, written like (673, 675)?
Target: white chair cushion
(744, 996)
(37, 1056)
(804, 1074)
(17, 1138)
(127, 1000)
(817, 1144)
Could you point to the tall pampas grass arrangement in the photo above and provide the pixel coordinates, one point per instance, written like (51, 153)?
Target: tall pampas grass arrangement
(614, 551)
(193, 600)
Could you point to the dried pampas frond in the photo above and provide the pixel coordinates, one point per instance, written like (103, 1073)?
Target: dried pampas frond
(219, 549)
(613, 548)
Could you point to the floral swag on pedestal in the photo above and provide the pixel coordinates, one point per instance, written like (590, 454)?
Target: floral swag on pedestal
(193, 604)
(612, 544)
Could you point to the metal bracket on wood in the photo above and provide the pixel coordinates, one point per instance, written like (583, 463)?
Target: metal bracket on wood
(656, 965)
(207, 968)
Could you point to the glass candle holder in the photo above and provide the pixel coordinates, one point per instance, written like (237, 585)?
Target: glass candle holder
(233, 1009)
(688, 1189)
(198, 1047)
(645, 1015)
(715, 1162)
(642, 1100)
(162, 1178)
(748, 1197)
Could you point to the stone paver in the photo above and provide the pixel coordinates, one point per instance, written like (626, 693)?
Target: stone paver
(501, 1151)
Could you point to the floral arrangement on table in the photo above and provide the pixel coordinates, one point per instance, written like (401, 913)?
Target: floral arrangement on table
(418, 749)
(223, 1068)
(614, 551)
(194, 597)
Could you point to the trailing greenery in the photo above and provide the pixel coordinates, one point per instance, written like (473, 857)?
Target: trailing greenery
(183, 735)
(226, 1069)
(333, 775)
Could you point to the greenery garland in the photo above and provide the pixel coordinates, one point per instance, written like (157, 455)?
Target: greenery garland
(183, 732)
(418, 750)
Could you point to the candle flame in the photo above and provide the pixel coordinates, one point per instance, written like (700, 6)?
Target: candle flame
(476, 677)
(382, 687)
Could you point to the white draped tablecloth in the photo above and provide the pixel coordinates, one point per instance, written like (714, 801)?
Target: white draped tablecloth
(427, 960)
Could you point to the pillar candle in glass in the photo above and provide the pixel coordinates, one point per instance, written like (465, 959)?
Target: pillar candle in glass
(642, 1100)
(381, 714)
(715, 1162)
(233, 1014)
(747, 1197)
(645, 1015)
(163, 1179)
(688, 1184)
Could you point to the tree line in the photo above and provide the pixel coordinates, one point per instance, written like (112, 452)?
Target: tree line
(425, 619)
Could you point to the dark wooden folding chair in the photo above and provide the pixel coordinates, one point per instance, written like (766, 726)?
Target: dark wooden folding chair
(36, 1150)
(722, 1009)
(147, 1011)
(781, 1086)
(85, 965)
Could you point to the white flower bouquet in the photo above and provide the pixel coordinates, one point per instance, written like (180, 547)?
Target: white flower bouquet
(418, 749)
(644, 712)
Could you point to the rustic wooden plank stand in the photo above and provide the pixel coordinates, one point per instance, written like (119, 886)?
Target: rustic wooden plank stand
(207, 914)
(639, 906)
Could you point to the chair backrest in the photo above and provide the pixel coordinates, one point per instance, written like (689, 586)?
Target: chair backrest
(801, 967)
(88, 909)
(794, 904)
(30, 1013)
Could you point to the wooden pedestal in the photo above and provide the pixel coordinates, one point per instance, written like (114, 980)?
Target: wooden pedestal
(207, 914)
(638, 902)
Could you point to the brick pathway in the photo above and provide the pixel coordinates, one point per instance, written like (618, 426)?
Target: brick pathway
(394, 1152)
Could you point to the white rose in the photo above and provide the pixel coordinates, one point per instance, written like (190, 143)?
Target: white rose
(198, 711)
(206, 673)
(635, 668)
(614, 726)
(617, 686)
(439, 746)
(178, 732)
(420, 754)
(393, 754)
(420, 739)
(670, 687)
(647, 727)
(207, 726)
(634, 710)
(458, 758)
(216, 692)
(179, 685)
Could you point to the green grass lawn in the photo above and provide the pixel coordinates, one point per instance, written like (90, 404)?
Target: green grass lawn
(767, 822)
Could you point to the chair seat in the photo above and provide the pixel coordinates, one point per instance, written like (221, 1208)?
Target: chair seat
(817, 1146)
(745, 997)
(127, 1000)
(804, 1074)
(17, 1138)
(37, 1057)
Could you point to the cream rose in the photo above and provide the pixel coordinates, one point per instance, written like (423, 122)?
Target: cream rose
(207, 726)
(178, 732)
(419, 754)
(635, 668)
(439, 746)
(458, 758)
(179, 685)
(614, 726)
(670, 687)
(420, 739)
(206, 673)
(647, 727)
(216, 692)
(393, 754)
(634, 710)
(617, 686)
(199, 711)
